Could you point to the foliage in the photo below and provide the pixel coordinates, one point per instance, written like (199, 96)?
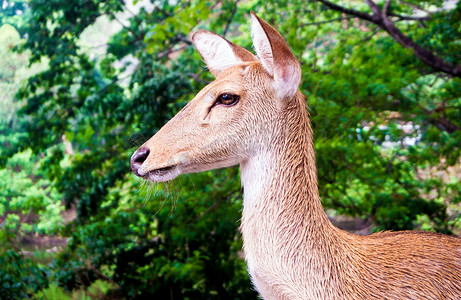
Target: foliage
(98, 290)
(386, 125)
(24, 195)
(29, 203)
(184, 243)
(14, 13)
(18, 278)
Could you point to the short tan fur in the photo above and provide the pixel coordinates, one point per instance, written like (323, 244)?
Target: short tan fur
(253, 115)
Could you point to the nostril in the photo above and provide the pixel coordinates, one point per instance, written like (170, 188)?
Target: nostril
(141, 155)
(138, 158)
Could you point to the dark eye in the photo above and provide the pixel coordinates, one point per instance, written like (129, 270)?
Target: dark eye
(228, 99)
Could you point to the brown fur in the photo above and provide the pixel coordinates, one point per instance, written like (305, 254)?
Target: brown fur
(292, 249)
(338, 265)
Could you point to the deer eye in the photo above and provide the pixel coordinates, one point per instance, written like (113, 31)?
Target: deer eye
(227, 99)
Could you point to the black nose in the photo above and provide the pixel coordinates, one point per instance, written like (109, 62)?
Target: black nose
(138, 158)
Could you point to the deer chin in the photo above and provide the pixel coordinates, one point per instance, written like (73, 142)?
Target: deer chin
(162, 174)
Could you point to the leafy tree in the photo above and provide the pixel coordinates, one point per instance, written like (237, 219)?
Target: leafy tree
(391, 88)
(14, 13)
(381, 115)
(29, 204)
(386, 118)
(118, 236)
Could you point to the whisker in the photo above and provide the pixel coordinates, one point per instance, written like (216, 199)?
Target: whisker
(137, 141)
(159, 195)
(191, 181)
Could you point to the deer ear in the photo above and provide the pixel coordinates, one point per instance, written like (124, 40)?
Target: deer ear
(218, 53)
(276, 57)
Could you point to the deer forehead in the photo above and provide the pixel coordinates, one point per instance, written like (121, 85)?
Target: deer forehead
(230, 81)
(248, 77)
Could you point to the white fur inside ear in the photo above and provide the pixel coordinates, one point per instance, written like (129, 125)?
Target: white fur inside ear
(262, 45)
(215, 51)
(287, 80)
(276, 57)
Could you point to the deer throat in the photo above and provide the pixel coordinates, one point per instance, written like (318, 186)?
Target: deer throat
(288, 240)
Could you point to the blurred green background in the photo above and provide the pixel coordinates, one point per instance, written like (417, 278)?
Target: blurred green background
(84, 83)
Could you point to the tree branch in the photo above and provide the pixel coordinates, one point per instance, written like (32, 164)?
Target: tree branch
(414, 6)
(229, 21)
(125, 27)
(348, 11)
(423, 54)
(375, 9)
(380, 18)
(386, 8)
(440, 122)
(326, 21)
(409, 18)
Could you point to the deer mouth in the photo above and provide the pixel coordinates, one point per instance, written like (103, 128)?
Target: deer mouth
(162, 174)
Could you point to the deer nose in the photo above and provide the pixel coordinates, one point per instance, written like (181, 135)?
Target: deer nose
(138, 158)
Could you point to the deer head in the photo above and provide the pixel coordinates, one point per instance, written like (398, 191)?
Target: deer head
(232, 118)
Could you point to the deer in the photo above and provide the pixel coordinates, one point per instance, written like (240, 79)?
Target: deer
(254, 115)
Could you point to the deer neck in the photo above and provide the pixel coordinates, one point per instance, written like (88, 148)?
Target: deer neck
(284, 225)
(280, 180)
